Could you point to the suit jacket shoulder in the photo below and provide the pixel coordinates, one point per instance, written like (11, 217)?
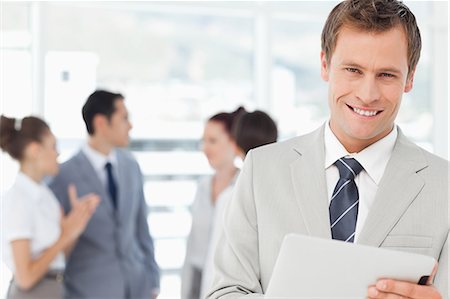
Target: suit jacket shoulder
(125, 155)
(289, 150)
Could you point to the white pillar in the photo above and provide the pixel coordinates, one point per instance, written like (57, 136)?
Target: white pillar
(37, 58)
(263, 58)
(439, 83)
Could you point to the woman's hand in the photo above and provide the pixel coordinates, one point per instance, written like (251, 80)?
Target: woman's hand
(74, 223)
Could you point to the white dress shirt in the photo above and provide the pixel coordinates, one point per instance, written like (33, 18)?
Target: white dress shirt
(32, 212)
(373, 158)
(99, 160)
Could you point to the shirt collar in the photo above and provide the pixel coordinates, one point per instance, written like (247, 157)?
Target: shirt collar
(29, 186)
(97, 159)
(373, 158)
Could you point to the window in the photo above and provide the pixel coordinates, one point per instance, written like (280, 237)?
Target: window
(15, 88)
(299, 95)
(177, 63)
(176, 66)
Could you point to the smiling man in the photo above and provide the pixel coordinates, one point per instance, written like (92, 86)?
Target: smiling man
(355, 179)
(367, 75)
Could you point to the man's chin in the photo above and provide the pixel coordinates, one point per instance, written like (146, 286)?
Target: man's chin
(368, 136)
(123, 143)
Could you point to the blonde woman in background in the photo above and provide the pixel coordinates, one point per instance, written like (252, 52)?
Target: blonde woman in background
(34, 232)
(219, 148)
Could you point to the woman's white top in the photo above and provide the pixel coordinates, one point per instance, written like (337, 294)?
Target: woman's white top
(216, 232)
(200, 236)
(197, 245)
(31, 211)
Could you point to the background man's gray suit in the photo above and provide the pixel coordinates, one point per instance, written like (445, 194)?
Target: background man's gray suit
(114, 257)
(282, 189)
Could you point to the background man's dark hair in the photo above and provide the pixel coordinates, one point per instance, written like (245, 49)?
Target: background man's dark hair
(99, 102)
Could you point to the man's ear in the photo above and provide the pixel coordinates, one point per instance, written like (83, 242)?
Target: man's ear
(99, 122)
(323, 66)
(409, 81)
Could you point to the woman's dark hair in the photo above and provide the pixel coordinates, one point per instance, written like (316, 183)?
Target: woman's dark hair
(228, 118)
(16, 134)
(254, 129)
(99, 102)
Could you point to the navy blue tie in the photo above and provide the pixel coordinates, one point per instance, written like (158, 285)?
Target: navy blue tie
(112, 188)
(344, 201)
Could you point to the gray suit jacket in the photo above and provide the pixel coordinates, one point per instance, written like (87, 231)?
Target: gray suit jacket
(114, 257)
(282, 189)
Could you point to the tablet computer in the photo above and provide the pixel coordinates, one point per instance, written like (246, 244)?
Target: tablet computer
(309, 267)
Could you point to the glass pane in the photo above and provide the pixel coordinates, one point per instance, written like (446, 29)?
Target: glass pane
(185, 66)
(5, 278)
(16, 83)
(416, 115)
(14, 16)
(296, 73)
(15, 93)
(170, 194)
(170, 287)
(175, 224)
(69, 79)
(176, 67)
(299, 96)
(14, 24)
(170, 253)
(173, 163)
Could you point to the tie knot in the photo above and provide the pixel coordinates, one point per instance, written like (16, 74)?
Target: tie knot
(348, 168)
(108, 166)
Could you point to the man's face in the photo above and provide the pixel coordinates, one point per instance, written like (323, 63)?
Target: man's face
(119, 126)
(367, 75)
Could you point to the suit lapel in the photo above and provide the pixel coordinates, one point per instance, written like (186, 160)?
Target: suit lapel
(308, 179)
(124, 181)
(89, 176)
(398, 188)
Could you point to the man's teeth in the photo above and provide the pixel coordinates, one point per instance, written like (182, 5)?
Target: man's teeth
(365, 112)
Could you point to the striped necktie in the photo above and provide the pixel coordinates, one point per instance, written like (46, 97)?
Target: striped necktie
(344, 201)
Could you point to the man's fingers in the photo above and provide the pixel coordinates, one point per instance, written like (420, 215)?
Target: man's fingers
(405, 289)
(374, 293)
(433, 274)
(398, 287)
